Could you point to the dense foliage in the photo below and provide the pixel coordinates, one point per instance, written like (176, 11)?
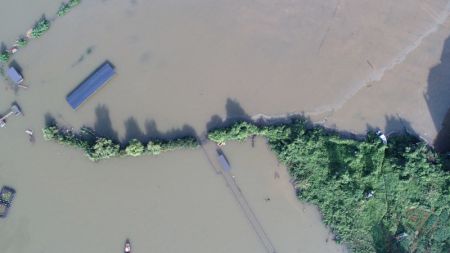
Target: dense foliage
(98, 148)
(134, 148)
(40, 28)
(21, 42)
(66, 7)
(4, 56)
(375, 197)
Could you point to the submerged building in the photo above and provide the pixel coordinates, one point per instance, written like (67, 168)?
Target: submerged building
(89, 86)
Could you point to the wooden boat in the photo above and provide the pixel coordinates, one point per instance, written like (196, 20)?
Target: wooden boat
(127, 248)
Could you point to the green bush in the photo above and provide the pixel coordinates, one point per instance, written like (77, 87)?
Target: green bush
(66, 7)
(22, 42)
(134, 148)
(158, 147)
(98, 148)
(40, 28)
(154, 148)
(238, 132)
(4, 56)
(103, 149)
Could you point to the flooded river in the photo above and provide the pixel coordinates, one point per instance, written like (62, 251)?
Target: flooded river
(184, 66)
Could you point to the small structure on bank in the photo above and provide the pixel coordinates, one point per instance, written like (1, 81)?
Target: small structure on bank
(89, 86)
(6, 198)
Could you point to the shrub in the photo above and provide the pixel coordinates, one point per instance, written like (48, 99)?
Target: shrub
(4, 56)
(21, 42)
(66, 7)
(50, 133)
(97, 148)
(103, 148)
(238, 131)
(40, 28)
(154, 148)
(134, 148)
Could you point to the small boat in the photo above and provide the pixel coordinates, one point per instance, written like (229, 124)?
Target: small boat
(127, 248)
(29, 132)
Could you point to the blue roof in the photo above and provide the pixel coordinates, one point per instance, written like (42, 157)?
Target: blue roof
(89, 86)
(14, 75)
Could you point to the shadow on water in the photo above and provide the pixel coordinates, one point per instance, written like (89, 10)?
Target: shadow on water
(103, 128)
(103, 124)
(15, 65)
(3, 47)
(442, 141)
(49, 120)
(234, 113)
(438, 98)
(133, 131)
(396, 125)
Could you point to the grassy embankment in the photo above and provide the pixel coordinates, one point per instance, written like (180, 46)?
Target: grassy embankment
(98, 148)
(375, 197)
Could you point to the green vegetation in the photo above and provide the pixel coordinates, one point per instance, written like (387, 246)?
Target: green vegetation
(40, 28)
(98, 148)
(375, 197)
(134, 148)
(4, 56)
(66, 7)
(22, 42)
(6, 195)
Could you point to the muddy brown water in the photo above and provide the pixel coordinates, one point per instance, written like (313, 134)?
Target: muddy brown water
(179, 63)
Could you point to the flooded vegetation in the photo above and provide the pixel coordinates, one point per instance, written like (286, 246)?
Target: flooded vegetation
(185, 68)
(375, 197)
(99, 148)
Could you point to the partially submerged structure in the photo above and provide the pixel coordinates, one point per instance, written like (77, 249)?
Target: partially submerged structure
(89, 86)
(223, 162)
(6, 198)
(14, 76)
(14, 110)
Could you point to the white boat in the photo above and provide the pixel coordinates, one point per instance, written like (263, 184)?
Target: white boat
(127, 248)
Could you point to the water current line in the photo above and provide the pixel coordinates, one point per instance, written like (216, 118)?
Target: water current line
(379, 73)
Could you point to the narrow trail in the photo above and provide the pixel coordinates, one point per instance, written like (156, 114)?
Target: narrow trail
(210, 151)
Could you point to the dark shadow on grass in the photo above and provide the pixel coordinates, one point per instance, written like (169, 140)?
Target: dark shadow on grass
(385, 241)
